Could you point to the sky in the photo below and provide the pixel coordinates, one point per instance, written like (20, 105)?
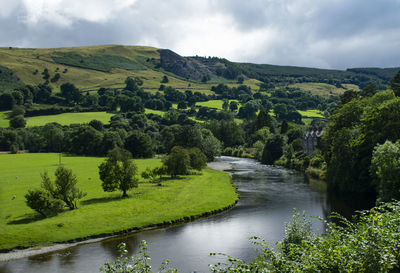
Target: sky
(335, 34)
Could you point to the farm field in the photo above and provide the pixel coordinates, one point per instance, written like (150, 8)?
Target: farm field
(69, 118)
(99, 212)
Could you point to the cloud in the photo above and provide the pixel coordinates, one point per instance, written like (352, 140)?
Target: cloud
(329, 34)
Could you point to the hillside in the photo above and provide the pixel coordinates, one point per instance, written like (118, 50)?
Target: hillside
(90, 68)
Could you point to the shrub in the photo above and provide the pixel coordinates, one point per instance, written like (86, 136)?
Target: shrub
(43, 202)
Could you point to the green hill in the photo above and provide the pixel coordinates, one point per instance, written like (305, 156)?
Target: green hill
(92, 67)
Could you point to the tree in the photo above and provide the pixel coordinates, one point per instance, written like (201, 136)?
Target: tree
(225, 105)
(6, 101)
(197, 159)
(64, 187)
(395, 84)
(118, 172)
(233, 106)
(43, 203)
(70, 92)
(165, 79)
(18, 122)
(385, 170)
(273, 149)
(177, 162)
(139, 144)
(280, 110)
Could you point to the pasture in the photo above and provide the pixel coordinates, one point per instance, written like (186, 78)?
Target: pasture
(69, 118)
(99, 212)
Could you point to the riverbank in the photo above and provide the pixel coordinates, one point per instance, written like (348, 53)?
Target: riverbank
(149, 206)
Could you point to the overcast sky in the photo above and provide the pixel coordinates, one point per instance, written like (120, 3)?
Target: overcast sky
(314, 33)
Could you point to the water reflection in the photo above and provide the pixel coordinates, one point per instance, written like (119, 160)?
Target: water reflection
(268, 196)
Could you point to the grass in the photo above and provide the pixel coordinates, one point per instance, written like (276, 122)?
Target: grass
(69, 118)
(4, 121)
(99, 212)
(321, 89)
(311, 113)
(217, 104)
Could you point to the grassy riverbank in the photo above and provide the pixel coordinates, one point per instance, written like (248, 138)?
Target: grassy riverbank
(100, 213)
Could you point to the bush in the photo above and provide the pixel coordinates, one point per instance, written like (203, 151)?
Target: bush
(370, 243)
(43, 203)
(18, 122)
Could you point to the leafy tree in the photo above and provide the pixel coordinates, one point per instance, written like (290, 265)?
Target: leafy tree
(139, 144)
(385, 170)
(177, 161)
(45, 74)
(43, 203)
(249, 109)
(64, 187)
(43, 93)
(273, 150)
(233, 106)
(6, 101)
(133, 84)
(280, 110)
(18, 122)
(70, 92)
(118, 172)
(165, 79)
(395, 84)
(17, 110)
(56, 77)
(197, 159)
(225, 105)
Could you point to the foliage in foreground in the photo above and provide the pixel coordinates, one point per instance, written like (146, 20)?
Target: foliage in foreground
(138, 263)
(370, 243)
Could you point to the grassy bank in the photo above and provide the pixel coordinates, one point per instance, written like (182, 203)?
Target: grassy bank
(100, 213)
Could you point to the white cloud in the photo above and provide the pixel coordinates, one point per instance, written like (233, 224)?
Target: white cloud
(65, 12)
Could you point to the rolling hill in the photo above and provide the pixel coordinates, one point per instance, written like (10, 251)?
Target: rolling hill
(92, 67)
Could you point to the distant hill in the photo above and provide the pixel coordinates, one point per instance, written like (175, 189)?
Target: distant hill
(92, 67)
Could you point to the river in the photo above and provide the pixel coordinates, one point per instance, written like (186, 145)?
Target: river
(268, 196)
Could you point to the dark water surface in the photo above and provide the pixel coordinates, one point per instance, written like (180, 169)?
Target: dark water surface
(267, 198)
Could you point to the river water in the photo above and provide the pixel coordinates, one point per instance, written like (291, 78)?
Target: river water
(268, 196)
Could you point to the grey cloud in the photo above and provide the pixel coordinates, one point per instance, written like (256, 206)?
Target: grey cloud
(330, 34)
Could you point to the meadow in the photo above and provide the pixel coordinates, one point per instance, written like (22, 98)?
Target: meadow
(217, 104)
(322, 89)
(311, 113)
(69, 118)
(100, 213)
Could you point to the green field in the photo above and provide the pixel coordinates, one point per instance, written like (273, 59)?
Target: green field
(69, 118)
(311, 113)
(321, 89)
(4, 122)
(217, 104)
(99, 212)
